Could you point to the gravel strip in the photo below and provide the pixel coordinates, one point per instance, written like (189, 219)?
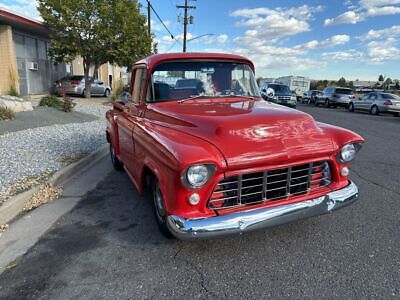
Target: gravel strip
(32, 152)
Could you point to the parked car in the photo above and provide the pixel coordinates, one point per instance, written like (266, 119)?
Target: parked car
(279, 94)
(376, 103)
(75, 85)
(223, 160)
(335, 96)
(310, 96)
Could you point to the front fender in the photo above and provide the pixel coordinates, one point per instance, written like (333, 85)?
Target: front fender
(339, 135)
(167, 153)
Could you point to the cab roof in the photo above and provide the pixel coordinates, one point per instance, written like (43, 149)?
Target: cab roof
(154, 60)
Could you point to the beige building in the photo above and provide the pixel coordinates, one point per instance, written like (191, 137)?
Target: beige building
(24, 62)
(107, 73)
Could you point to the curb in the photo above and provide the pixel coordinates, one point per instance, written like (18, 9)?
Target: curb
(12, 207)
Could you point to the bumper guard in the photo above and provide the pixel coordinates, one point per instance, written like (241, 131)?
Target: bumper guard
(240, 222)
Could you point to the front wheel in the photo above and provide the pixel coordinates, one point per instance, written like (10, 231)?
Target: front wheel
(107, 93)
(159, 209)
(396, 114)
(118, 166)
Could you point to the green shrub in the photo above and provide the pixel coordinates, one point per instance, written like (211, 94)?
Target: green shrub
(6, 113)
(50, 101)
(13, 92)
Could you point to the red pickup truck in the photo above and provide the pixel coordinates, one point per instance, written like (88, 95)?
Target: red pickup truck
(218, 158)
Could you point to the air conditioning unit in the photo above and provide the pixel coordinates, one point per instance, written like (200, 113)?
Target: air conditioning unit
(33, 66)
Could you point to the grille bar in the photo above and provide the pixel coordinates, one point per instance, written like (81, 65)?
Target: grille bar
(270, 185)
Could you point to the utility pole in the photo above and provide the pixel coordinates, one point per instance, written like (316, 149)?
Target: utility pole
(186, 20)
(148, 17)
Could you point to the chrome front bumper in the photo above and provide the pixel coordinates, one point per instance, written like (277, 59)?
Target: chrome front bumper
(261, 218)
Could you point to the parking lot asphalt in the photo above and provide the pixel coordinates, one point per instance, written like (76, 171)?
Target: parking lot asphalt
(109, 245)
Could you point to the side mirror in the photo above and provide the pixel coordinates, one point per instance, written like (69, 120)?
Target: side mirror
(264, 90)
(100, 82)
(270, 92)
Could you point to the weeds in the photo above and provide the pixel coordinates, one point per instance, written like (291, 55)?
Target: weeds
(66, 104)
(118, 90)
(13, 92)
(14, 81)
(50, 101)
(6, 113)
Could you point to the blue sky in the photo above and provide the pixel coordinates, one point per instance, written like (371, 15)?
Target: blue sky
(357, 39)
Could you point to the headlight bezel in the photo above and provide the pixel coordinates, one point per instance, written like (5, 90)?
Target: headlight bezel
(189, 185)
(341, 157)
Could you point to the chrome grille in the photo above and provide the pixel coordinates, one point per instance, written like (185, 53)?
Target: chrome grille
(269, 185)
(284, 98)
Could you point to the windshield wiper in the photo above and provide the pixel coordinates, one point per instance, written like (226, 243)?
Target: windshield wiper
(238, 96)
(216, 96)
(190, 98)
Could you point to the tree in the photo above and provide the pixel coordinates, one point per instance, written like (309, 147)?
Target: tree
(381, 78)
(387, 83)
(342, 82)
(99, 31)
(397, 84)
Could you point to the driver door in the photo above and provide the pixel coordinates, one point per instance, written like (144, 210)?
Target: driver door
(128, 120)
(369, 101)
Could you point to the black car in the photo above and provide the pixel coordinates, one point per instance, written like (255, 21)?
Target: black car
(279, 94)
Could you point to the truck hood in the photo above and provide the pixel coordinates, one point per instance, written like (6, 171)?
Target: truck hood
(247, 132)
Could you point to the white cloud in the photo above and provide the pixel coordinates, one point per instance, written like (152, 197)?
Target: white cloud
(347, 55)
(267, 56)
(215, 39)
(266, 23)
(393, 31)
(349, 17)
(27, 8)
(365, 9)
(265, 27)
(335, 40)
(383, 51)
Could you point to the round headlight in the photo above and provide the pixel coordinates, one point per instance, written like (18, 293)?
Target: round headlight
(347, 153)
(197, 175)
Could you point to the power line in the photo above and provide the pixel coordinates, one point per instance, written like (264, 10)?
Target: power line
(159, 18)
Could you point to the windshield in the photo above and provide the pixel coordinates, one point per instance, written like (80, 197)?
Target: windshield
(182, 80)
(280, 88)
(344, 91)
(390, 96)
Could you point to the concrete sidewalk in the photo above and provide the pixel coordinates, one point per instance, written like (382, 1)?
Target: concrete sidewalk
(27, 230)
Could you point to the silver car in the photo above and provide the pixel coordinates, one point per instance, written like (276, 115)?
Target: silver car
(335, 96)
(75, 85)
(377, 102)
